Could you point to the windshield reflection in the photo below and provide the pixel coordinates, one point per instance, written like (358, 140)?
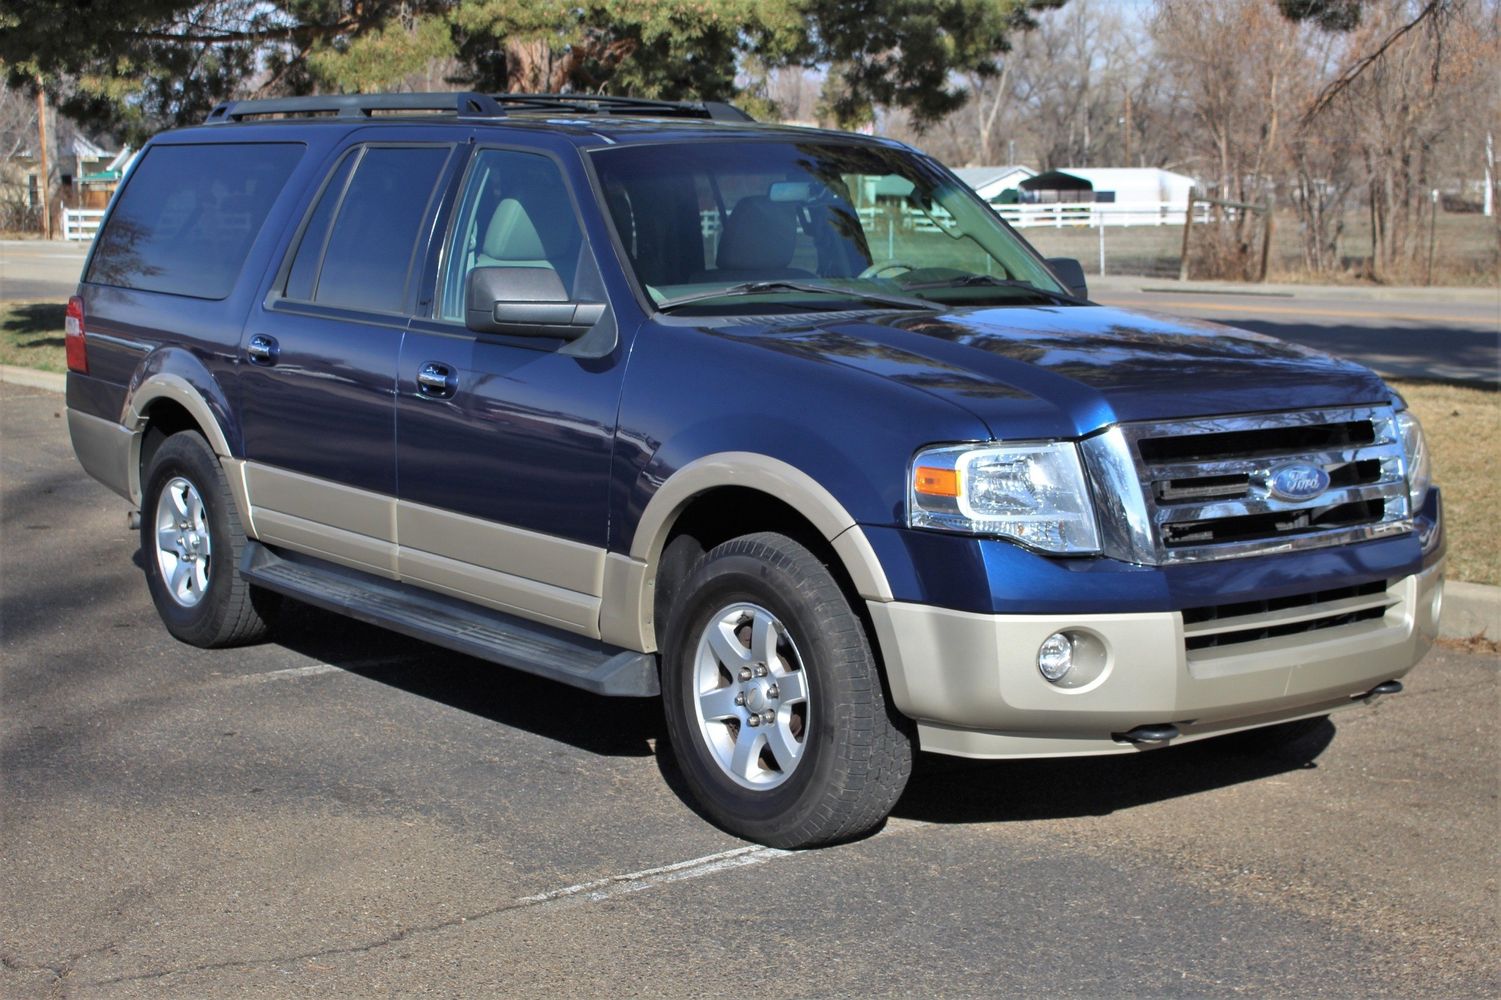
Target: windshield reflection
(856, 218)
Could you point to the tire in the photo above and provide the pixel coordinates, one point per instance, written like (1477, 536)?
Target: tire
(761, 619)
(191, 541)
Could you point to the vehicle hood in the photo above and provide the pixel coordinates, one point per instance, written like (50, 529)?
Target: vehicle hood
(1061, 371)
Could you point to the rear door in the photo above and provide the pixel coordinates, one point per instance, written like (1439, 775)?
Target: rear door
(319, 354)
(504, 471)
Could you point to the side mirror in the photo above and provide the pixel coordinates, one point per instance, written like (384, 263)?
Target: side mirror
(525, 302)
(1071, 273)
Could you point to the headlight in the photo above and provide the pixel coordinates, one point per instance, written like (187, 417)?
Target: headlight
(1415, 459)
(1034, 493)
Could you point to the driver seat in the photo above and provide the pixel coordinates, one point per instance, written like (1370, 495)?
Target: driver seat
(758, 243)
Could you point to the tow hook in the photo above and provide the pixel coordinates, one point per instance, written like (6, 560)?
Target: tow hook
(1385, 687)
(133, 520)
(1147, 735)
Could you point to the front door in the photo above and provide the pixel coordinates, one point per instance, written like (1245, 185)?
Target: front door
(504, 443)
(319, 357)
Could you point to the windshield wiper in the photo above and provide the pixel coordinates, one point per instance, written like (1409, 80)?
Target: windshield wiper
(990, 281)
(763, 287)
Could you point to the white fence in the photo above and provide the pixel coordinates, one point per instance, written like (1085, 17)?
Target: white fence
(81, 223)
(1057, 215)
(1098, 213)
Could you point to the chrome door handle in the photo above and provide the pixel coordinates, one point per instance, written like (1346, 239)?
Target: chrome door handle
(263, 350)
(436, 381)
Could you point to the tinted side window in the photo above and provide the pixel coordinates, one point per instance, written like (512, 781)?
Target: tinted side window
(302, 279)
(188, 215)
(375, 233)
(515, 213)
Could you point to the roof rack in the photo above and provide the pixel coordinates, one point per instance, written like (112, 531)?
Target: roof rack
(603, 104)
(470, 105)
(357, 106)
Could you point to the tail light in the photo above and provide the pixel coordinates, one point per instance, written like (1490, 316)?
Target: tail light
(78, 358)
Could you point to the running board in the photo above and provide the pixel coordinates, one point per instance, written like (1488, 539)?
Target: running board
(453, 624)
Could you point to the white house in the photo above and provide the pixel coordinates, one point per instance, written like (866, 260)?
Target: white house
(1091, 196)
(991, 183)
(1137, 185)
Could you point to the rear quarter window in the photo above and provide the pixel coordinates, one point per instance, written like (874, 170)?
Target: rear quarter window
(188, 216)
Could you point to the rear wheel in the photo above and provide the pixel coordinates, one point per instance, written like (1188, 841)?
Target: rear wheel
(191, 538)
(773, 699)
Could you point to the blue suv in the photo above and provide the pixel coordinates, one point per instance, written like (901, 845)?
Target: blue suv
(781, 425)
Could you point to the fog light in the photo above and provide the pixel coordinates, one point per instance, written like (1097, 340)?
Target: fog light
(1055, 657)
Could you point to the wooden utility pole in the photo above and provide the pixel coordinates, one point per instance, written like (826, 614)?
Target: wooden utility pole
(43, 165)
(1188, 221)
(1269, 224)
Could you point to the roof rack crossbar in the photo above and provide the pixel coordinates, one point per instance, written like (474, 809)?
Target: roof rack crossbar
(357, 106)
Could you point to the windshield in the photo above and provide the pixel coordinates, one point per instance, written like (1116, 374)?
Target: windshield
(823, 224)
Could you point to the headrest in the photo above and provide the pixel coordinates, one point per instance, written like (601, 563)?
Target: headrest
(511, 234)
(759, 235)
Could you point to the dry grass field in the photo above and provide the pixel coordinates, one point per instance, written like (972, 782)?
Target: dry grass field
(1463, 426)
(1467, 250)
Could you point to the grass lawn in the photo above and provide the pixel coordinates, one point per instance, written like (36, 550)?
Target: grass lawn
(31, 335)
(1463, 425)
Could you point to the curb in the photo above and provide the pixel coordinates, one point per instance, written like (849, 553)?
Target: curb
(1469, 608)
(33, 379)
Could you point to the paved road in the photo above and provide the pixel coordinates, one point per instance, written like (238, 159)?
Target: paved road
(348, 813)
(39, 270)
(1448, 334)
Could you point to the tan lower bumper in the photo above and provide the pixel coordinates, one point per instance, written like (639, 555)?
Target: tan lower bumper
(972, 684)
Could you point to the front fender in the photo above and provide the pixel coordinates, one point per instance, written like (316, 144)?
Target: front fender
(628, 607)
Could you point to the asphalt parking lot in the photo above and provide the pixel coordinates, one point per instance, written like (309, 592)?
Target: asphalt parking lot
(344, 812)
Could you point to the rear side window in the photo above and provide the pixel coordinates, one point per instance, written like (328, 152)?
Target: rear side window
(364, 259)
(303, 276)
(188, 215)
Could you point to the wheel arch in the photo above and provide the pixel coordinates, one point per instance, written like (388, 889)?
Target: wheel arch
(749, 492)
(166, 403)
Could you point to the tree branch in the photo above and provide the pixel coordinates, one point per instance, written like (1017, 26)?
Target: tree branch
(1337, 86)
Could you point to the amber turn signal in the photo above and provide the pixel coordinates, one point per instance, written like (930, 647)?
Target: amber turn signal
(935, 482)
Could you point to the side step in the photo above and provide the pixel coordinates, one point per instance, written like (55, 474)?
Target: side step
(453, 624)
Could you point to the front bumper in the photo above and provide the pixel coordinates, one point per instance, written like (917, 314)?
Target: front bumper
(971, 680)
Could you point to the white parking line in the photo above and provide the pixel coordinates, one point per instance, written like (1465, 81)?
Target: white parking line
(311, 670)
(618, 885)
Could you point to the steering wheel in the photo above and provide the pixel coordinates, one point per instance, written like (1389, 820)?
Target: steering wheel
(880, 270)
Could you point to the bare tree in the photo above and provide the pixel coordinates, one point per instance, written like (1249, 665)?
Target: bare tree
(1405, 98)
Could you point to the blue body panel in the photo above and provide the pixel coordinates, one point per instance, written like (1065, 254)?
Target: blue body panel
(529, 436)
(690, 393)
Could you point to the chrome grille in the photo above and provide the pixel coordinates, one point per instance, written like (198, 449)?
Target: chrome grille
(1192, 490)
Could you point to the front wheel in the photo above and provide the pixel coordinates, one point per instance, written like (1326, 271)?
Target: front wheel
(773, 699)
(191, 539)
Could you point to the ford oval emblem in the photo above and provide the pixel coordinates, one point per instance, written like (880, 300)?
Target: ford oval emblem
(1297, 481)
